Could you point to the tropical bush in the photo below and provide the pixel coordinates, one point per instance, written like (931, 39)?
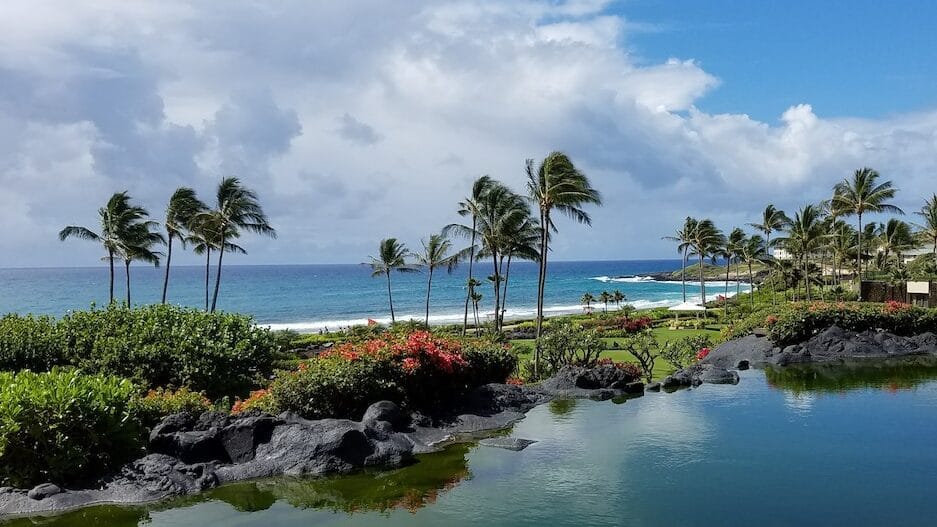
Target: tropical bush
(63, 426)
(680, 353)
(569, 344)
(632, 370)
(155, 346)
(419, 370)
(161, 402)
(259, 400)
(644, 348)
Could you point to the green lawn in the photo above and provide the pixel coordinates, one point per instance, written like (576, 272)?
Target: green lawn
(661, 368)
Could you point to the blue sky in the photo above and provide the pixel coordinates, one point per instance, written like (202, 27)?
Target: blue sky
(355, 121)
(856, 58)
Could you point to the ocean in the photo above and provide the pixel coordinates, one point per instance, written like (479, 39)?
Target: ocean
(308, 298)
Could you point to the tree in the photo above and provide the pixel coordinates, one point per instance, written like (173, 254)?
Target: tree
(237, 209)
(928, 226)
(115, 218)
(470, 207)
(806, 232)
(730, 250)
(137, 243)
(587, 300)
(772, 220)
(860, 195)
(705, 240)
(556, 185)
(618, 297)
(183, 207)
(435, 255)
(895, 238)
(755, 249)
(521, 240)
(605, 297)
(392, 256)
(204, 238)
(684, 239)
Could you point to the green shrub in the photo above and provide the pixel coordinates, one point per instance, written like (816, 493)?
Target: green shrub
(488, 362)
(158, 345)
(682, 352)
(568, 343)
(161, 402)
(64, 426)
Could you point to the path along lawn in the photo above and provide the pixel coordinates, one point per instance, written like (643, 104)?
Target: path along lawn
(661, 367)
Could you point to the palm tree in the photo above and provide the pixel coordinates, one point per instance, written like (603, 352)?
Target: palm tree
(806, 232)
(556, 184)
(521, 240)
(704, 242)
(772, 219)
(183, 207)
(684, 237)
(137, 243)
(860, 195)
(618, 297)
(476, 299)
(730, 249)
(237, 209)
(587, 300)
(895, 237)
(470, 207)
(115, 217)
(755, 249)
(435, 255)
(928, 228)
(204, 238)
(605, 297)
(392, 256)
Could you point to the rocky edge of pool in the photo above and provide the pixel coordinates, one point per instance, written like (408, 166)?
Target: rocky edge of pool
(191, 453)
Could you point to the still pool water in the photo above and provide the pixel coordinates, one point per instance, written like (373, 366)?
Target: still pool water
(805, 446)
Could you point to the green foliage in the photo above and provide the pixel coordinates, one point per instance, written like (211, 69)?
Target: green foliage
(568, 343)
(488, 362)
(157, 345)
(680, 353)
(161, 402)
(644, 348)
(63, 425)
(798, 322)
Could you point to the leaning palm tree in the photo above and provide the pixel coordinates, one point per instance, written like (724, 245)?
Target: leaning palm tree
(755, 249)
(928, 227)
(556, 185)
(114, 217)
(704, 242)
(392, 256)
(520, 242)
(183, 207)
(587, 300)
(203, 235)
(863, 194)
(237, 209)
(136, 244)
(435, 255)
(684, 237)
(470, 207)
(605, 297)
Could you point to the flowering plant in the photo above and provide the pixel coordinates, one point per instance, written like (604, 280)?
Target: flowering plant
(702, 353)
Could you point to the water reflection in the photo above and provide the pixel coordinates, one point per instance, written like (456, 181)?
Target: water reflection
(409, 488)
(890, 375)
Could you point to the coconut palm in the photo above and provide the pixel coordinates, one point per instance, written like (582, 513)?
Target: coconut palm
(392, 256)
(115, 217)
(806, 233)
(183, 207)
(203, 236)
(772, 220)
(237, 209)
(435, 255)
(860, 195)
(556, 185)
(705, 240)
(928, 226)
(755, 249)
(470, 207)
(605, 297)
(476, 299)
(136, 244)
(894, 239)
(684, 237)
(520, 243)
(618, 297)
(730, 249)
(587, 300)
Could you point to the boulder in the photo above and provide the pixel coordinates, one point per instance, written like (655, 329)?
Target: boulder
(43, 491)
(388, 412)
(507, 443)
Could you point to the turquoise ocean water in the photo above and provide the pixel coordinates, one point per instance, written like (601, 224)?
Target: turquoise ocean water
(313, 297)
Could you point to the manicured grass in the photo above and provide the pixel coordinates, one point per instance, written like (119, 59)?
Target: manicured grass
(661, 367)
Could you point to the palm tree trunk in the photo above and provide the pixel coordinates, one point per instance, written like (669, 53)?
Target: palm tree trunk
(214, 298)
(806, 276)
(738, 286)
(725, 298)
(468, 292)
(859, 258)
(127, 269)
(110, 261)
(541, 280)
(207, 273)
(702, 281)
(429, 285)
(497, 289)
(751, 285)
(168, 261)
(390, 299)
(504, 296)
(683, 274)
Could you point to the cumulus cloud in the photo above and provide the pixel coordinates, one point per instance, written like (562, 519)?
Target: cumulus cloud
(106, 96)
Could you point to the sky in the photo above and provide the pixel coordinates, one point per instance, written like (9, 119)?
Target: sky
(355, 121)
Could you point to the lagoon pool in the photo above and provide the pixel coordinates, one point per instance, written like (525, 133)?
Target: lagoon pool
(806, 446)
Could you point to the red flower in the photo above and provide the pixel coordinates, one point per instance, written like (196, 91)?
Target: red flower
(702, 354)
(410, 364)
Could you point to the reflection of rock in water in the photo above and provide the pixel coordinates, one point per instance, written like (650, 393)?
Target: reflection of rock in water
(888, 374)
(410, 488)
(92, 516)
(562, 407)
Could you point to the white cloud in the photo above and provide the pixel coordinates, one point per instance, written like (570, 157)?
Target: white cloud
(103, 96)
